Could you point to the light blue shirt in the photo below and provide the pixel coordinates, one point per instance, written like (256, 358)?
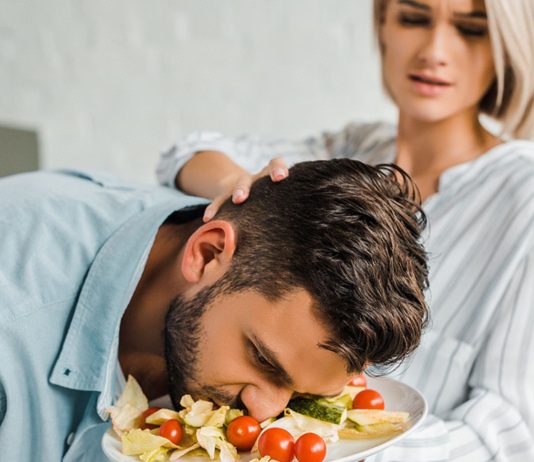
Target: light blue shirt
(73, 247)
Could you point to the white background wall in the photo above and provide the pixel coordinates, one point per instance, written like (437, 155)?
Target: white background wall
(109, 83)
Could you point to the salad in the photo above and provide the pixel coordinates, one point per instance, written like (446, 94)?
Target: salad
(201, 428)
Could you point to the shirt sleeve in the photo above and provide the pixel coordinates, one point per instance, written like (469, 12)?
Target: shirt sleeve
(252, 153)
(496, 422)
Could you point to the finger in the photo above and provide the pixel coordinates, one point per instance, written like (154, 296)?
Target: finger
(278, 169)
(265, 171)
(213, 208)
(242, 189)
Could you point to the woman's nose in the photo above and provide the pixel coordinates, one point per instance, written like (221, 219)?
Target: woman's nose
(263, 402)
(434, 50)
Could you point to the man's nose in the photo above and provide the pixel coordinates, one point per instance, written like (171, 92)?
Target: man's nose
(263, 402)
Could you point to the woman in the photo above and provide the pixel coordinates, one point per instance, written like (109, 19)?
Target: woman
(445, 63)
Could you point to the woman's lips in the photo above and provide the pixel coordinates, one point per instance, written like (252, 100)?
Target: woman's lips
(429, 85)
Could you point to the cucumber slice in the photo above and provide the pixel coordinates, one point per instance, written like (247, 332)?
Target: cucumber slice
(343, 400)
(318, 410)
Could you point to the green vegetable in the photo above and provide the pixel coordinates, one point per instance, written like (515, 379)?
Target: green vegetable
(199, 413)
(127, 412)
(137, 442)
(368, 423)
(232, 414)
(161, 416)
(318, 409)
(365, 417)
(267, 422)
(156, 455)
(343, 400)
(213, 438)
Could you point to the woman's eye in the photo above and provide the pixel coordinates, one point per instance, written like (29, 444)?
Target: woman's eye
(472, 31)
(414, 20)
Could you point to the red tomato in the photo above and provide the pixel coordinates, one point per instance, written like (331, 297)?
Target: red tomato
(310, 447)
(276, 443)
(242, 432)
(172, 430)
(358, 381)
(146, 413)
(368, 399)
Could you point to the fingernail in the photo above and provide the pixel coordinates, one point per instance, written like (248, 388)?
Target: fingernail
(238, 194)
(208, 214)
(279, 173)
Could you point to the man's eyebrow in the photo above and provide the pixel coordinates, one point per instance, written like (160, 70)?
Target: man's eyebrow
(270, 356)
(413, 3)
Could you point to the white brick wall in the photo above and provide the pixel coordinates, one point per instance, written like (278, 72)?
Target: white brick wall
(108, 83)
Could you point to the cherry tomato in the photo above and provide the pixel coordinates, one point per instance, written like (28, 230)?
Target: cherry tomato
(310, 447)
(172, 430)
(358, 380)
(368, 399)
(242, 432)
(277, 443)
(146, 413)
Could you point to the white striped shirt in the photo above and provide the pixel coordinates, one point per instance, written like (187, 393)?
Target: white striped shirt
(475, 364)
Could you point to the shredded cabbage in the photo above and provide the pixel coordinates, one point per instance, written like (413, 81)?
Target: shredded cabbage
(182, 452)
(217, 417)
(199, 413)
(160, 454)
(212, 438)
(137, 441)
(127, 411)
(161, 416)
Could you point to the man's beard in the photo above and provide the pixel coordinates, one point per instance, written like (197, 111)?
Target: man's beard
(183, 332)
(182, 336)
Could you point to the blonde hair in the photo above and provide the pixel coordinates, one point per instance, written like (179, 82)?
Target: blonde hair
(510, 98)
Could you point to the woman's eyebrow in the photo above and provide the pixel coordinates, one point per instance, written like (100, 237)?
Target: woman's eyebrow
(481, 14)
(478, 14)
(415, 4)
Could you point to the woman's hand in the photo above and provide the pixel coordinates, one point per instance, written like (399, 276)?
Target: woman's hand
(238, 186)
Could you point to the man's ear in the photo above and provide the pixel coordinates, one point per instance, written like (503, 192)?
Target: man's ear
(208, 252)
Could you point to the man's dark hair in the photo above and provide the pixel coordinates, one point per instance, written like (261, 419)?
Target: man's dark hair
(349, 234)
(346, 232)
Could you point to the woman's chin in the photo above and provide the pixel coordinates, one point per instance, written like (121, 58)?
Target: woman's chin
(428, 112)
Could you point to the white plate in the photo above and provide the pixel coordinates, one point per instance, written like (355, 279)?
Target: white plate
(397, 396)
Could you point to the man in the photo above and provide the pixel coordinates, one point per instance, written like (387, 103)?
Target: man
(313, 279)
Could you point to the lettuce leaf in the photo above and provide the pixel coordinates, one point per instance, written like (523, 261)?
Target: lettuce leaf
(137, 441)
(161, 416)
(127, 412)
(160, 454)
(213, 438)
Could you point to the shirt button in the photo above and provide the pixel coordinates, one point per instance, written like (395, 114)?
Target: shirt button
(70, 438)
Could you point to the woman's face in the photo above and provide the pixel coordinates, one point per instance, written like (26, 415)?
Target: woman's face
(437, 58)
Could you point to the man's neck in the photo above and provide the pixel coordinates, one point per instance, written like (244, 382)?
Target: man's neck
(141, 337)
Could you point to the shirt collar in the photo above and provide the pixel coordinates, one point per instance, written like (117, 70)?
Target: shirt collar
(88, 354)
